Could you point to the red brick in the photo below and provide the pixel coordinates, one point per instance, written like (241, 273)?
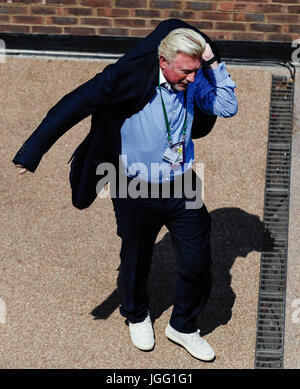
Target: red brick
(247, 36)
(224, 16)
(80, 31)
(113, 12)
(226, 5)
(60, 20)
(26, 1)
(230, 26)
(14, 28)
(283, 18)
(5, 10)
(263, 27)
(181, 14)
(97, 3)
(20, 29)
(36, 10)
(143, 13)
(140, 33)
(293, 9)
(268, 8)
(27, 19)
(231, 6)
(255, 1)
(165, 4)
(248, 17)
(238, 17)
(96, 21)
(4, 19)
(294, 28)
(220, 35)
(285, 1)
(200, 6)
(46, 30)
(60, 2)
(253, 17)
(279, 37)
(13, 9)
(114, 31)
(250, 6)
(129, 22)
(77, 11)
(131, 3)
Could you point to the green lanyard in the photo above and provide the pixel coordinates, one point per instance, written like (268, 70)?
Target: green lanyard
(166, 117)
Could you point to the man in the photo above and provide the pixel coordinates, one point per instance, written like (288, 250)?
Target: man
(145, 110)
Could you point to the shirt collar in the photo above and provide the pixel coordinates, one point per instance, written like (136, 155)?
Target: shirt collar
(163, 81)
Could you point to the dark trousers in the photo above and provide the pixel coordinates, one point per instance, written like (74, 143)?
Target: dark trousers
(138, 224)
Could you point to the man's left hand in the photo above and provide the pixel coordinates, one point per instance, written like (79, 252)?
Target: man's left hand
(208, 54)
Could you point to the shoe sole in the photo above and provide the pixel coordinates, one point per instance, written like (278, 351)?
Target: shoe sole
(146, 348)
(174, 339)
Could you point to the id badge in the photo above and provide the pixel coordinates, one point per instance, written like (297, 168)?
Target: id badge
(170, 155)
(175, 155)
(179, 149)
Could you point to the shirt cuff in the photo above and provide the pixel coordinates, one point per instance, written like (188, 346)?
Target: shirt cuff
(218, 75)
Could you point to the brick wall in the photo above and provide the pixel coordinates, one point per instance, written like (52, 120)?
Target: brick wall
(250, 20)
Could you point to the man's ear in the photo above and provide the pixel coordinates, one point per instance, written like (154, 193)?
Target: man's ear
(163, 63)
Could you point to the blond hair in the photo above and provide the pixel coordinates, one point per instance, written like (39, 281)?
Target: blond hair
(181, 40)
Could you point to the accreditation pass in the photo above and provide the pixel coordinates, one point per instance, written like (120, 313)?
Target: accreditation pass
(175, 155)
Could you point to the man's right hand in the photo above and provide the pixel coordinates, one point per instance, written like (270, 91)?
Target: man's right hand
(22, 169)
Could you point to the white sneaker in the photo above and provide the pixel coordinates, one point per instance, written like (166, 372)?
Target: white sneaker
(142, 334)
(193, 343)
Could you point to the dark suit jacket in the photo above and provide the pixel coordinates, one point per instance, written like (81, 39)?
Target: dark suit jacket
(116, 93)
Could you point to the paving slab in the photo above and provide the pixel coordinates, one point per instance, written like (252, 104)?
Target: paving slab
(59, 266)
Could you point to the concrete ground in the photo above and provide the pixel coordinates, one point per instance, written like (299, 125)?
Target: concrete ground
(59, 265)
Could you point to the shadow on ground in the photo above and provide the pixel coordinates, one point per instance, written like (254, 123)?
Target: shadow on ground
(235, 233)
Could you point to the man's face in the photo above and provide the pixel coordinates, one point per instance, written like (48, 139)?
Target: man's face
(181, 71)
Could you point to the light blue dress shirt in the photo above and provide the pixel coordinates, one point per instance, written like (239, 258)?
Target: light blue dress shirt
(144, 134)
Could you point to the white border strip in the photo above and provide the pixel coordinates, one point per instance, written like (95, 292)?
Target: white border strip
(74, 55)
